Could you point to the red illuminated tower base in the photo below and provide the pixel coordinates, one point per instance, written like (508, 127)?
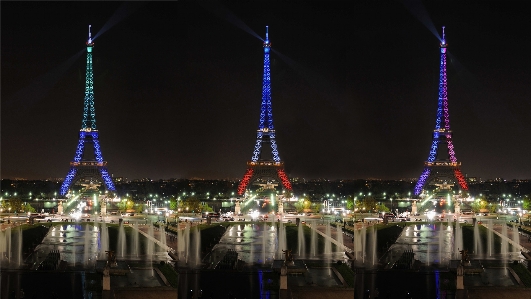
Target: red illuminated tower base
(266, 171)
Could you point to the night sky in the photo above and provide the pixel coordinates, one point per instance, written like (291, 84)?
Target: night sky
(178, 86)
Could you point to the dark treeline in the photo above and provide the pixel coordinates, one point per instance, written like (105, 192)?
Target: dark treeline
(311, 189)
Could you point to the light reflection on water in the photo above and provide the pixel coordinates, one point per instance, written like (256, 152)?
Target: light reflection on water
(435, 243)
(77, 243)
(256, 244)
(430, 242)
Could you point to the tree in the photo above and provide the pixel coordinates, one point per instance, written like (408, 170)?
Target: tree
(206, 208)
(139, 208)
(4, 205)
(125, 204)
(350, 203)
(358, 206)
(382, 208)
(316, 206)
(526, 203)
(173, 204)
(192, 205)
(478, 205)
(16, 205)
(302, 204)
(29, 208)
(475, 206)
(369, 204)
(492, 208)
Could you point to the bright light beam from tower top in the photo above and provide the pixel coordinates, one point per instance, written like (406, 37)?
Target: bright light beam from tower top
(223, 13)
(39, 87)
(419, 11)
(126, 9)
(325, 87)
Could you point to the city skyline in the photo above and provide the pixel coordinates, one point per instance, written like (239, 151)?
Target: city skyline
(178, 86)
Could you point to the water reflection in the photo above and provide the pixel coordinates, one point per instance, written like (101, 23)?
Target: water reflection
(77, 243)
(432, 243)
(259, 243)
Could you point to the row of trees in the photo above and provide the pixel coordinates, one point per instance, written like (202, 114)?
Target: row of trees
(367, 204)
(304, 204)
(482, 205)
(194, 205)
(15, 205)
(191, 204)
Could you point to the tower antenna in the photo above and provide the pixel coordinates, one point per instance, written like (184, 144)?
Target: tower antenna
(90, 36)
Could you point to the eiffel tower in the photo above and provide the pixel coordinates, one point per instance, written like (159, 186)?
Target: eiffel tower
(87, 167)
(261, 167)
(441, 167)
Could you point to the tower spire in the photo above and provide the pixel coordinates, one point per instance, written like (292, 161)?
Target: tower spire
(90, 36)
(89, 113)
(83, 166)
(441, 134)
(443, 42)
(265, 135)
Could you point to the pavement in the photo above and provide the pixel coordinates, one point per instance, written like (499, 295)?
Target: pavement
(348, 241)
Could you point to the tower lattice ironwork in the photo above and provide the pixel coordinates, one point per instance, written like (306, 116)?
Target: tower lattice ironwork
(261, 167)
(437, 166)
(85, 166)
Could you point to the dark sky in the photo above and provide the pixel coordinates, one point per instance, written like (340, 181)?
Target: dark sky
(178, 86)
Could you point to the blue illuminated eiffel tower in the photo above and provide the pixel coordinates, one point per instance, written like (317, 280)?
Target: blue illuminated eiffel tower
(88, 167)
(261, 166)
